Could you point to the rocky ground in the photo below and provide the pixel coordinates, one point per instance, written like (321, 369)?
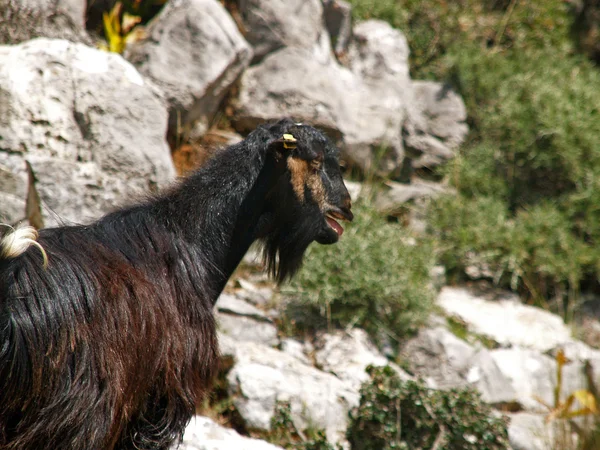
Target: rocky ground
(504, 349)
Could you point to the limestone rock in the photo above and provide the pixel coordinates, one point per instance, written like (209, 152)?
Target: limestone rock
(439, 357)
(296, 349)
(244, 322)
(290, 82)
(436, 126)
(203, 433)
(272, 25)
(90, 128)
(22, 20)
(506, 322)
(246, 329)
(528, 431)
(379, 51)
(395, 195)
(531, 374)
(347, 355)
(254, 294)
(262, 376)
(485, 376)
(194, 53)
(514, 376)
(445, 362)
(445, 111)
(231, 304)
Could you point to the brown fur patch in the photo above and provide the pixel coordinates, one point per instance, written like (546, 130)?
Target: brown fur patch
(303, 174)
(299, 173)
(317, 189)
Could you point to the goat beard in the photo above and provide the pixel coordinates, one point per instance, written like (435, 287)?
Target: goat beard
(284, 248)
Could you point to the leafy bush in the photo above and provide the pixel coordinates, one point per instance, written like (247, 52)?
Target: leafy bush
(528, 179)
(374, 278)
(538, 114)
(406, 415)
(437, 29)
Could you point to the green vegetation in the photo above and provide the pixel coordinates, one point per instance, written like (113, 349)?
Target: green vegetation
(527, 210)
(406, 415)
(460, 330)
(374, 278)
(285, 434)
(529, 175)
(437, 30)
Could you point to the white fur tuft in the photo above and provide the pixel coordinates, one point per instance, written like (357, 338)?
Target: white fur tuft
(18, 241)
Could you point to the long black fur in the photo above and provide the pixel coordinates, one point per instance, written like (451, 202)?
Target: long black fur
(114, 343)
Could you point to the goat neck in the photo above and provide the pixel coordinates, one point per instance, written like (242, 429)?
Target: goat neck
(217, 209)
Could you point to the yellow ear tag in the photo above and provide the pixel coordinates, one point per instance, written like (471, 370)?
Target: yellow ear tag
(289, 141)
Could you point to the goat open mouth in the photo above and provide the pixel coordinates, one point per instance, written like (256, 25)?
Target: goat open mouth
(331, 217)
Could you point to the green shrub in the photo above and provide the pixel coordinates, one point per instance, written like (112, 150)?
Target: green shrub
(538, 116)
(374, 278)
(406, 415)
(527, 179)
(436, 29)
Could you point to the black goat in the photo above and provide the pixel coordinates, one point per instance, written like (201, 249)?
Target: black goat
(107, 335)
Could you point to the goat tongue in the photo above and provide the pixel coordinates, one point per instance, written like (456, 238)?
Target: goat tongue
(336, 226)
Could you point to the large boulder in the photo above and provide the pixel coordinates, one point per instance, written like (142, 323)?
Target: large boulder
(366, 116)
(513, 376)
(22, 20)
(379, 51)
(436, 124)
(80, 132)
(370, 103)
(507, 322)
(435, 114)
(262, 376)
(194, 52)
(271, 25)
(445, 111)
